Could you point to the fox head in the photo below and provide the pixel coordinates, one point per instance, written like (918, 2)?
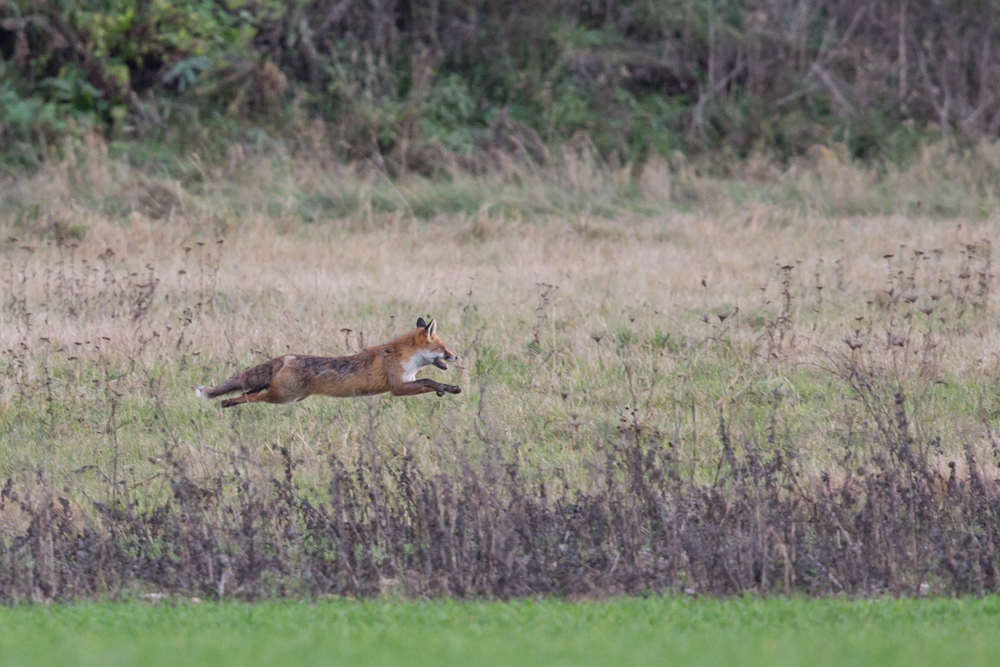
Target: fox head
(432, 348)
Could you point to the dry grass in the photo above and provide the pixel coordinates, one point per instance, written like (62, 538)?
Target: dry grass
(569, 324)
(564, 320)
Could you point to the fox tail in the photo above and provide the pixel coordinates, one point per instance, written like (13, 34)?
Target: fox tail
(249, 381)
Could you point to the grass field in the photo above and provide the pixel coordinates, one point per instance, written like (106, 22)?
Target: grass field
(764, 345)
(883, 632)
(564, 318)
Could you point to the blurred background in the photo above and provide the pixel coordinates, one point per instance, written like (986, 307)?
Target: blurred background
(431, 86)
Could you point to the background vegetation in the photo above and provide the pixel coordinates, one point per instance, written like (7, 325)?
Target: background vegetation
(423, 84)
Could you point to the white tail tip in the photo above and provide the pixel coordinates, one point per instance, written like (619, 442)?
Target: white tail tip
(201, 392)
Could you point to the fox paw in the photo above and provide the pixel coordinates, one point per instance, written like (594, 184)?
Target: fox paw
(449, 389)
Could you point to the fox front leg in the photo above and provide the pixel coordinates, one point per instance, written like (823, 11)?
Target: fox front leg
(425, 386)
(443, 389)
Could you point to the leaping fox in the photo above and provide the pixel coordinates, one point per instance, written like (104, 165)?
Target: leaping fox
(391, 367)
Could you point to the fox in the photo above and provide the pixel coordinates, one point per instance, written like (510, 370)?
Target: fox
(388, 368)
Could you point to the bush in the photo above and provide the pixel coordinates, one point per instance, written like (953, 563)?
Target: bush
(722, 77)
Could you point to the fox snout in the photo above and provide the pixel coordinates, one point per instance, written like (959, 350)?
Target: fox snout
(448, 356)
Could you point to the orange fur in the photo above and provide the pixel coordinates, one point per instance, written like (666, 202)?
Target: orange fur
(391, 367)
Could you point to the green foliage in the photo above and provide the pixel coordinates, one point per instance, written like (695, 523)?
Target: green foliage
(186, 71)
(449, 114)
(27, 125)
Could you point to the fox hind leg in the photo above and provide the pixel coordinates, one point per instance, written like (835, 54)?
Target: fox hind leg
(259, 397)
(276, 393)
(245, 398)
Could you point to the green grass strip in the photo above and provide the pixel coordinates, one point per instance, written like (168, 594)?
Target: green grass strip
(659, 631)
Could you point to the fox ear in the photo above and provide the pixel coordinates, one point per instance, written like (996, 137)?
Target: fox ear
(421, 324)
(431, 326)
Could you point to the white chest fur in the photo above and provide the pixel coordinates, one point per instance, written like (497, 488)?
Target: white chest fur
(412, 365)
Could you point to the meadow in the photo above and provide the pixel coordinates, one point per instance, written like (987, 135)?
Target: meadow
(775, 384)
(526, 632)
